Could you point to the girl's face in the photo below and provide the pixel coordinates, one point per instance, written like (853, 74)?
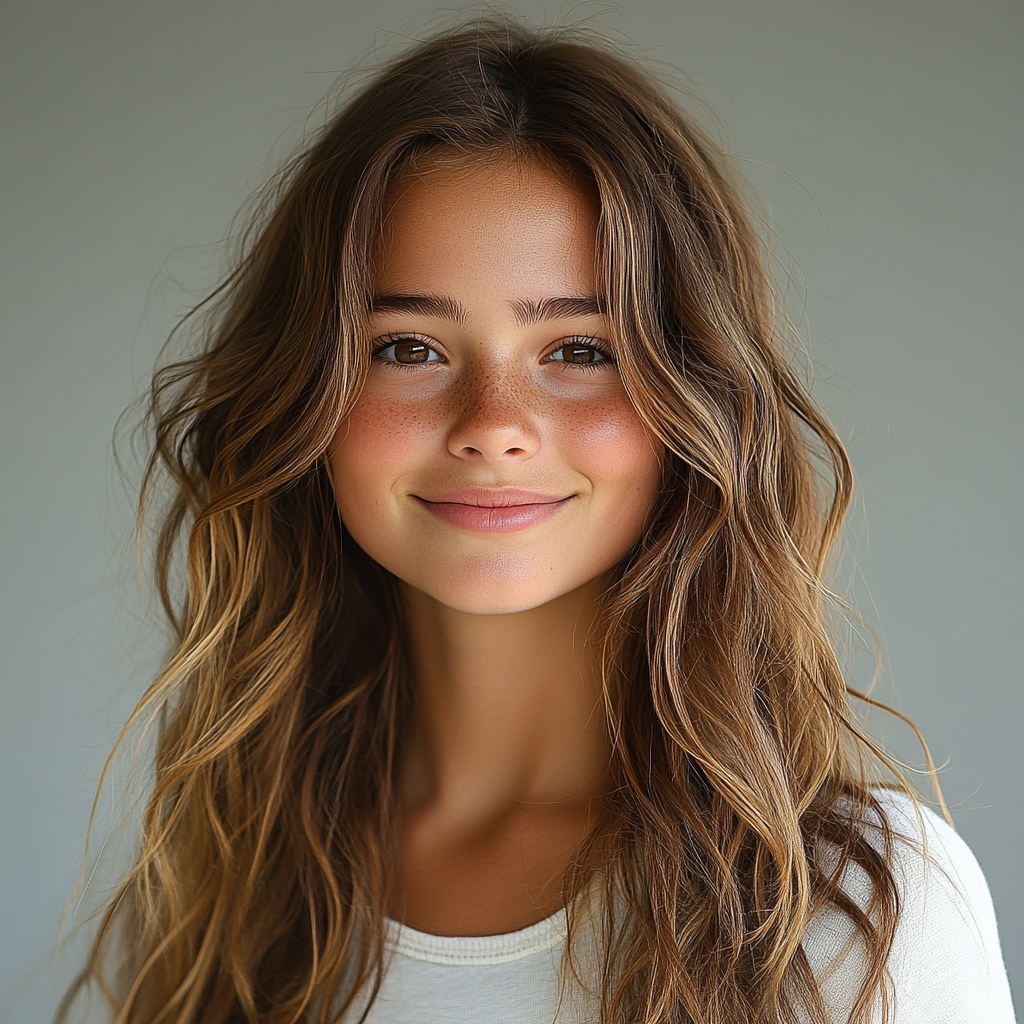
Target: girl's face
(493, 459)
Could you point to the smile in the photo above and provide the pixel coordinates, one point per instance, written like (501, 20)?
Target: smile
(492, 511)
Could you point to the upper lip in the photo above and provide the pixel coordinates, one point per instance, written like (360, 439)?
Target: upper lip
(491, 497)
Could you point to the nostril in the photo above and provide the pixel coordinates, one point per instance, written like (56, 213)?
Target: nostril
(490, 439)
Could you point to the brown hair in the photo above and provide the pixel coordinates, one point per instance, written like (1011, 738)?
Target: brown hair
(257, 893)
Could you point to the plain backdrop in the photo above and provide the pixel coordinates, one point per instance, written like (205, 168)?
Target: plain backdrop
(883, 138)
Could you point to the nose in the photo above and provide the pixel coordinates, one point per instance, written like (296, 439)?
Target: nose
(493, 421)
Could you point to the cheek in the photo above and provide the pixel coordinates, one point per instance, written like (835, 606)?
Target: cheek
(606, 441)
(379, 442)
(379, 439)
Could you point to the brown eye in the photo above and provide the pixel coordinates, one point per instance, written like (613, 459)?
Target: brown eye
(407, 352)
(579, 353)
(411, 352)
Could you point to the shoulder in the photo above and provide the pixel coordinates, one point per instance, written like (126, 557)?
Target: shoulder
(945, 964)
(929, 858)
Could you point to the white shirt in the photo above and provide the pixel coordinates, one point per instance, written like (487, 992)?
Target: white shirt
(946, 965)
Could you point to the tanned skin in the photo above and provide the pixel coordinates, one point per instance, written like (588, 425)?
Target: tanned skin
(496, 466)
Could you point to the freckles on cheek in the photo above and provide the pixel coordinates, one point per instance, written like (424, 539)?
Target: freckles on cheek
(379, 437)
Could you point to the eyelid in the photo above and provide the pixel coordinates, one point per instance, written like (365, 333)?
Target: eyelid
(392, 338)
(582, 341)
(389, 338)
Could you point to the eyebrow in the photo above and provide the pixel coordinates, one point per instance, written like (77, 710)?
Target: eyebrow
(526, 311)
(425, 305)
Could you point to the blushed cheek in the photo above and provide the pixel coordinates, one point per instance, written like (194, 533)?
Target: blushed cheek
(606, 441)
(380, 440)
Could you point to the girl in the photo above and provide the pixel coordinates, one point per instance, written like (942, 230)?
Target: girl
(502, 687)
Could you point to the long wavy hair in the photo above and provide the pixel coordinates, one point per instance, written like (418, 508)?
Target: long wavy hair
(257, 892)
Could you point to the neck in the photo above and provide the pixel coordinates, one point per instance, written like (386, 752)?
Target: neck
(507, 708)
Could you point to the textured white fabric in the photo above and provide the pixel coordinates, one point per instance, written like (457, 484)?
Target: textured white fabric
(946, 965)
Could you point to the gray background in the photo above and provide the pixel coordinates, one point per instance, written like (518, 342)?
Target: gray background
(883, 137)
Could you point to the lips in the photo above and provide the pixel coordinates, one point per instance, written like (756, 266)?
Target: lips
(492, 510)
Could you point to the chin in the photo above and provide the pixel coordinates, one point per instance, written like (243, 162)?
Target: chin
(488, 603)
(501, 587)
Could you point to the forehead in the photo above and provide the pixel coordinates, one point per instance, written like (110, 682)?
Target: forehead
(515, 228)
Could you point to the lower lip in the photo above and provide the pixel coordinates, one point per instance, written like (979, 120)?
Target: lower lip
(496, 519)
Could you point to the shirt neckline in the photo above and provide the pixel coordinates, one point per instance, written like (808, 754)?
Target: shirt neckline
(476, 950)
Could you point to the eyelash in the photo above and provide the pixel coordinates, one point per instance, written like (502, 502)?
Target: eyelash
(583, 341)
(394, 339)
(577, 341)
